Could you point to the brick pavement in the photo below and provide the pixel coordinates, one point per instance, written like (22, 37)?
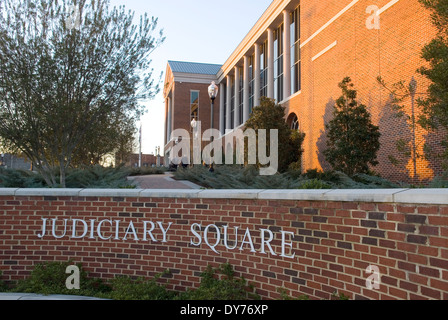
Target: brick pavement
(162, 181)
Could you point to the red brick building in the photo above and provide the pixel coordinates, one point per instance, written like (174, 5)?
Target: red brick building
(147, 160)
(186, 98)
(298, 52)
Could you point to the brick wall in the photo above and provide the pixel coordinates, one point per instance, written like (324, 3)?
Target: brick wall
(393, 52)
(182, 106)
(322, 240)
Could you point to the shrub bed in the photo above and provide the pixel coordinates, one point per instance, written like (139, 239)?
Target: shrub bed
(50, 278)
(239, 177)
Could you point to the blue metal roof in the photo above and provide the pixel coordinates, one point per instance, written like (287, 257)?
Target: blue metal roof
(194, 67)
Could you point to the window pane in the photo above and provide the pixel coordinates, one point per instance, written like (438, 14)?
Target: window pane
(296, 52)
(194, 105)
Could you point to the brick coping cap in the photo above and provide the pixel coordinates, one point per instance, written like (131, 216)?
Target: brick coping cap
(411, 196)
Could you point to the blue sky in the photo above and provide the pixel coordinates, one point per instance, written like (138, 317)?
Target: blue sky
(196, 31)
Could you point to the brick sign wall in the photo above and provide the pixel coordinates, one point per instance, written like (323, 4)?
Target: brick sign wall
(375, 244)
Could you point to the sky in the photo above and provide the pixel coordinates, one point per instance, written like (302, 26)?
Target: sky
(195, 31)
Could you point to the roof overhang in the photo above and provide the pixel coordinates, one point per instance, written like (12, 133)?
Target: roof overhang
(270, 18)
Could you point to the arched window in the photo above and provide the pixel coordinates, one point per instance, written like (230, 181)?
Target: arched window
(293, 121)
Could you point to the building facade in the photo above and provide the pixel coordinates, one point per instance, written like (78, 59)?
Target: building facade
(186, 99)
(299, 51)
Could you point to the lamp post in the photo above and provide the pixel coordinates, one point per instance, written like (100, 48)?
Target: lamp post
(412, 90)
(212, 92)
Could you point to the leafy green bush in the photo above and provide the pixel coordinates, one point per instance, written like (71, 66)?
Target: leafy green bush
(217, 284)
(221, 284)
(50, 278)
(3, 286)
(126, 288)
(269, 115)
(97, 177)
(11, 178)
(239, 177)
(86, 177)
(146, 171)
(314, 184)
(439, 181)
(353, 140)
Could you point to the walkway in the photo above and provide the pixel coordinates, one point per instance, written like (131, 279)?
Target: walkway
(162, 181)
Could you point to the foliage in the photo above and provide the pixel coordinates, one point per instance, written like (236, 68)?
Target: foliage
(439, 181)
(435, 106)
(284, 295)
(3, 286)
(50, 278)
(146, 171)
(270, 116)
(353, 141)
(69, 93)
(126, 288)
(221, 284)
(314, 184)
(239, 177)
(216, 284)
(94, 177)
(116, 135)
(11, 178)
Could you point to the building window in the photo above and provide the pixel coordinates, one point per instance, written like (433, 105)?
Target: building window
(232, 103)
(264, 70)
(241, 95)
(278, 64)
(224, 93)
(295, 51)
(194, 105)
(251, 83)
(294, 122)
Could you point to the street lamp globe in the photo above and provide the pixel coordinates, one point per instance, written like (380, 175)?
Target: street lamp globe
(213, 90)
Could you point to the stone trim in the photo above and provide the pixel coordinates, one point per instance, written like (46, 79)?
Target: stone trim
(412, 196)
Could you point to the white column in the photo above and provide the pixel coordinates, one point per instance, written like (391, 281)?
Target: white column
(168, 121)
(246, 89)
(286, 54)
(257, 83)
(167, 108)
(228, 104)
(222, 108)
(270, 63)
(236, 118)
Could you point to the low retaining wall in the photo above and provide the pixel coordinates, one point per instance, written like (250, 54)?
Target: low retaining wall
(313, 242)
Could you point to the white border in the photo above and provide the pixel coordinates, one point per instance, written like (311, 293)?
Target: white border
(331, 46)
(410, 196)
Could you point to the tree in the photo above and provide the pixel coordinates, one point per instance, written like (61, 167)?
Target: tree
(116, 138)
(67, 76)
(269, 115)
(353, 141)
(435, 104)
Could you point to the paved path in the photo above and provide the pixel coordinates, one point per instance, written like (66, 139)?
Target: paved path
(162, 181)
